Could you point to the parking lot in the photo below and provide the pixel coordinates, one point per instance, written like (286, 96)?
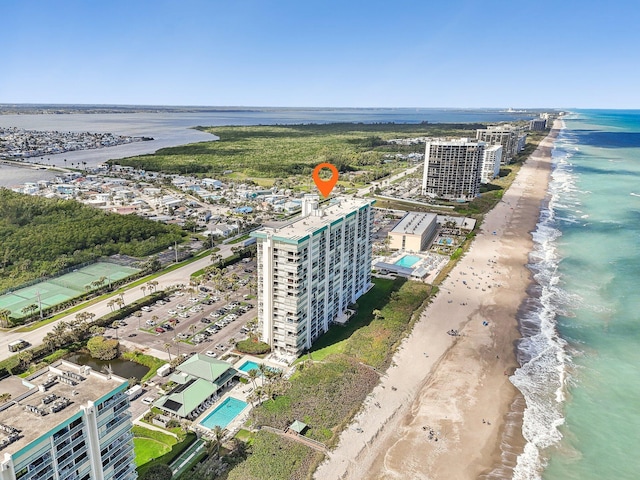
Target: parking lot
(198, 318)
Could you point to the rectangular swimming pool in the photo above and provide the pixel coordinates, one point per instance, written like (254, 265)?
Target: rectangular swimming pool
(408, 261)
(249, 365)
(224, 413)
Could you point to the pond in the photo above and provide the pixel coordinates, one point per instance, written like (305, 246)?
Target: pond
(121, 367)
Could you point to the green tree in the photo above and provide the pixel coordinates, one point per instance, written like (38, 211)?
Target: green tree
(159, 471)
(103, 348)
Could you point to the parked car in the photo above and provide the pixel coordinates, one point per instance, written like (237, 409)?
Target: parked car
(160, 330)
(183, 315)
(151, 323)
(205, 320)
(172, 312)
(146, 308)
(147, 400)
(210, 353)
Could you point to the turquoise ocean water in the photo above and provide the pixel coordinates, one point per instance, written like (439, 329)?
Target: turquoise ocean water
(580, 354)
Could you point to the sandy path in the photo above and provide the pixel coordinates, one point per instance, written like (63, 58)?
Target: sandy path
(454, 388)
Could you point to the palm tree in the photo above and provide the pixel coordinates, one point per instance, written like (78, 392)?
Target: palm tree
(192, 329)
(24, 359)
(218, 433)
(111, 303)
(4, 317)
(253, 374)
(115, 326)
(167, 346)
(144, 290)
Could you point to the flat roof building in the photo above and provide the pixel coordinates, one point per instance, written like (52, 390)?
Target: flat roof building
(452, 169)
(311, 269)
(414, 232)
(66, 422)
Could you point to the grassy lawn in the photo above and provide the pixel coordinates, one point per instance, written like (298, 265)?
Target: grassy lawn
(146, 437)
(150, 444)
(147, 449)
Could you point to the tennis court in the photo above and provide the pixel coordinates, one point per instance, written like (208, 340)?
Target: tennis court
(60, 289)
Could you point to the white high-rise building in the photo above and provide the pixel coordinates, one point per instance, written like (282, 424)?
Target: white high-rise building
(506, 135)
(452, 169)
(311, 269)
(491, 160)
(66, 422)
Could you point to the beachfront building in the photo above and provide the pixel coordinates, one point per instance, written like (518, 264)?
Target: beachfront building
(491, 160)
(452, 169)
(198, 382)
(311, 269)
(66, 422)
(538, 124)
(506, 135)
(414, 232)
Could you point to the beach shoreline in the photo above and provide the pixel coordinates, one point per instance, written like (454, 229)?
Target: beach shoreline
(446, 408)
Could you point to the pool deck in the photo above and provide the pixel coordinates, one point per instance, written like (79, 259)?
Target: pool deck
(241, 391)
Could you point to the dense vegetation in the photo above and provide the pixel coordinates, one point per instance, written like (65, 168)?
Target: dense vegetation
(273, 457)
(40, 236)
(284, 150)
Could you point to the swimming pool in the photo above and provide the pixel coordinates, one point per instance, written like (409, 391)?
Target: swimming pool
(249, 365)
(407, 261)
(224, 413)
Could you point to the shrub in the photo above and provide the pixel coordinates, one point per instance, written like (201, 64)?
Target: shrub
(252, 346)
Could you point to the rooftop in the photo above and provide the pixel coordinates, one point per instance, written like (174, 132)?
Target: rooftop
(44, 400)
(303, 226)
(414, 223)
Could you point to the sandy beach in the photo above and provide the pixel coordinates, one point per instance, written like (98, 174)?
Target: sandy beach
(446, 409)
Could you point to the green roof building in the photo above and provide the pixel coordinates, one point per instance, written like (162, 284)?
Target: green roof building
(199, 380)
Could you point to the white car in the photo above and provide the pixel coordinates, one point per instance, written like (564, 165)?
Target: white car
(209, 353)
(151, 323)
(183, 315)
(146, 308)
(172, 312)
(147, 400)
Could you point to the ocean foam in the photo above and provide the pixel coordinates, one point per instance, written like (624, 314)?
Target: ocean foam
(542, 377)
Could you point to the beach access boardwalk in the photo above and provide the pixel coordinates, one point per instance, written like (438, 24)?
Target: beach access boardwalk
(292, 435)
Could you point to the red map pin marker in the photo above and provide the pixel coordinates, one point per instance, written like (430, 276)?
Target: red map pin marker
(325, 186)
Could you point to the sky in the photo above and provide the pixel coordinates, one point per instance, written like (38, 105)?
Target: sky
(312, 53)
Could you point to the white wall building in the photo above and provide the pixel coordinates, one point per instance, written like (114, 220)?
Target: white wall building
(414, 232)
(491, 160)
(452, 169)
(66, 422)
(311, 269)
(505, 135)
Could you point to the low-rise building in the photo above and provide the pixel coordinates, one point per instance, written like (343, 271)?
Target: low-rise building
(198, 380)
(414, 232)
